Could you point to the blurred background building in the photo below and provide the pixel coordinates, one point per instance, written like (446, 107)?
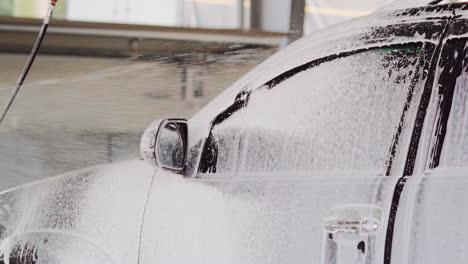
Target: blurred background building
(272, 15)
(108, 68)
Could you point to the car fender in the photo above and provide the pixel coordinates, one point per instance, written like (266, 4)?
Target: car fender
(98, 209)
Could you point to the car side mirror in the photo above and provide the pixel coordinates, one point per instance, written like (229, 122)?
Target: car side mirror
(164, 144)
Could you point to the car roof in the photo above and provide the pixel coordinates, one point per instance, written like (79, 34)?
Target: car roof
(405, 4)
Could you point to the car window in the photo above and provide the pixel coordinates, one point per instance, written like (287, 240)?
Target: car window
(339, 114)
(455, 144)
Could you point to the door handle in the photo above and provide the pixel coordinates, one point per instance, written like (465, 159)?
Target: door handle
(353, 219)
(349, 233)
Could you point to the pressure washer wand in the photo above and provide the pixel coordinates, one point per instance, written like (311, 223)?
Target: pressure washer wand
(31, 59)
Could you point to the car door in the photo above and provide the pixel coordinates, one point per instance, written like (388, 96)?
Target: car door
(294, 171)
(432, 212)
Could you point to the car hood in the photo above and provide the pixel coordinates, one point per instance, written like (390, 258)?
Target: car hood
(91, 216)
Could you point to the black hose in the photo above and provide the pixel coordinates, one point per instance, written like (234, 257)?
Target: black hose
(30, 61)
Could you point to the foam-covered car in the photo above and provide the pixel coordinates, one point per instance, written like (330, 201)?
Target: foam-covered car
(346, 147)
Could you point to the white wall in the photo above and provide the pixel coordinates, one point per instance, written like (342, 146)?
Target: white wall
(90, 10)
(153, 12)
(156, 12)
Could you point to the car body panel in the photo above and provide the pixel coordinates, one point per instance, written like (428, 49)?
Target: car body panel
(98, 209)
(256, 218)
